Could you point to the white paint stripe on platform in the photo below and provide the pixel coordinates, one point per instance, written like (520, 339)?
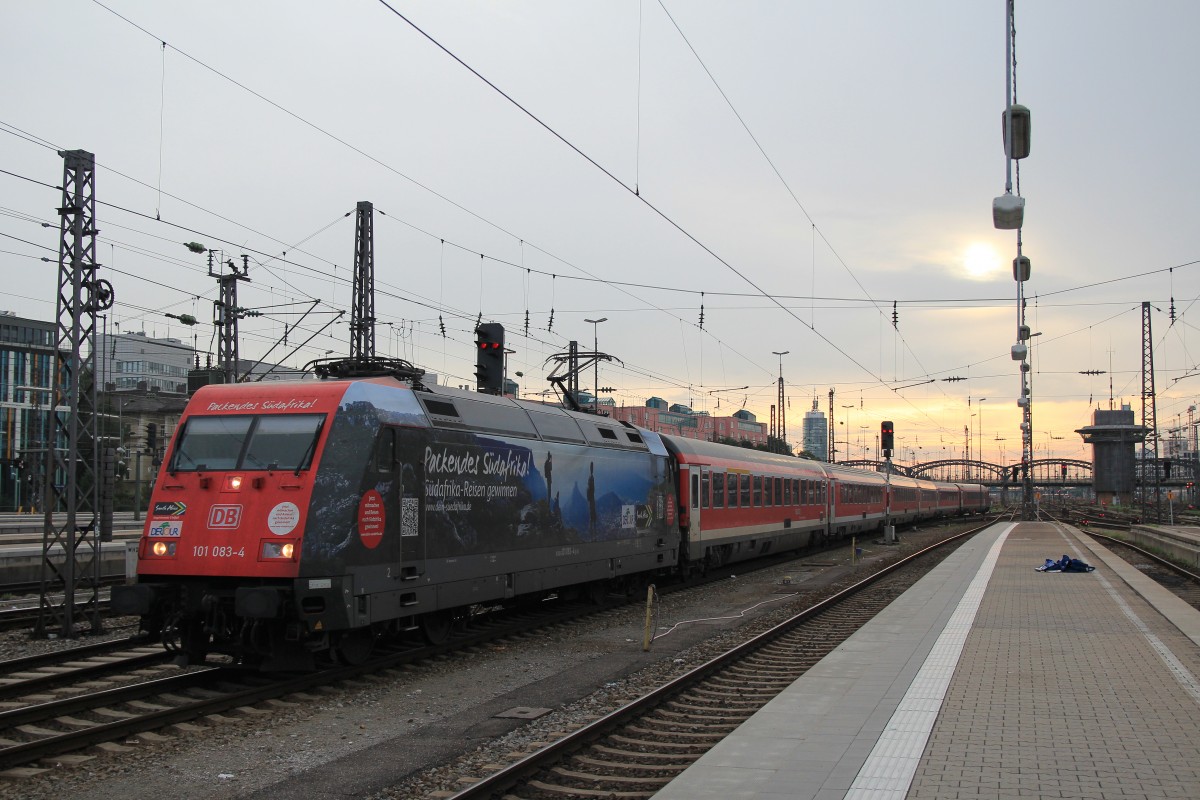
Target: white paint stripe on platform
(888, 771)
(1179, 672)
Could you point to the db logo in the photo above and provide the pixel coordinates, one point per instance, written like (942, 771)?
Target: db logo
(225, 516)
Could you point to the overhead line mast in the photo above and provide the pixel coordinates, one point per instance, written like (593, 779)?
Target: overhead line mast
(227, 312)
(74, 473)
(362, 313)
(1150, 476)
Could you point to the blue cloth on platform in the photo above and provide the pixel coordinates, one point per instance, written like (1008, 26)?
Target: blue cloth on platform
(1065, 564)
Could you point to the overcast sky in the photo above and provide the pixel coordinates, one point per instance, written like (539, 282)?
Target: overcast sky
(804, 165)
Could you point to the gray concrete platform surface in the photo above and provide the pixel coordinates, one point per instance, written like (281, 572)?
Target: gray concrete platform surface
(987, 679)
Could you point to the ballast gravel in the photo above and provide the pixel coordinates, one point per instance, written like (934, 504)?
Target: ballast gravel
(417, 731)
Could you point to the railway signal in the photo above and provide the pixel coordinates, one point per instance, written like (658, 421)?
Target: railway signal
(489, 358)
(887, 435)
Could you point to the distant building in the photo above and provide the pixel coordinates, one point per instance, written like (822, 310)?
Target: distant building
(588, 400)
(264, 371)
(682, 421)
(816, 433)
(26, 366)
(136, 362)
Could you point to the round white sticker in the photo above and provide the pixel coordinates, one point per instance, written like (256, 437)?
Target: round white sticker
(283, 519)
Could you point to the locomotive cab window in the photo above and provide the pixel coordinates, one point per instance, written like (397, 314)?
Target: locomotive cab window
(249, 442)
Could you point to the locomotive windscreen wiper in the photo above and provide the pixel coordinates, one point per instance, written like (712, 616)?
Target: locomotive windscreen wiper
(308, 452)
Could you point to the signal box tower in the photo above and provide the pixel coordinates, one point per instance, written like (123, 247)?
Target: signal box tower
(1113, 436)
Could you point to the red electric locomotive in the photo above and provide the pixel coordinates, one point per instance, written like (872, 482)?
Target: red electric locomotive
(291, 520)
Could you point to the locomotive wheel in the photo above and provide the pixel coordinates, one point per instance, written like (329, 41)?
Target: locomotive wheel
(354, 648)
(436, 626)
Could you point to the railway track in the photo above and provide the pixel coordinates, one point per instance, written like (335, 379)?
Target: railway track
(634, 751)
(80, 699)
(28, 611)
(63, 703)
(1180, 581)
(36, 675)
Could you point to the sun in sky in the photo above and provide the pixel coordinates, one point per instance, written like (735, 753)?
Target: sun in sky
(980, 260)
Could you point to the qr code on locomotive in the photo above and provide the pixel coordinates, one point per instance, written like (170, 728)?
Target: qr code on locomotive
(408, 516)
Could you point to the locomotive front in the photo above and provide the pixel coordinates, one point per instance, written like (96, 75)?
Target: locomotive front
(220, 551)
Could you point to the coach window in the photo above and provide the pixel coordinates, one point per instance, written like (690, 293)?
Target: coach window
(796, 499)
(718, 489)
(704, 488)
(779, 491)
(758, 495)
(787, 491)
(745, 493)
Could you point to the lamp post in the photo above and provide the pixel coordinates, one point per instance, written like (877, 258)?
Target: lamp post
(596, 348)
(979, 432)
(970, 424)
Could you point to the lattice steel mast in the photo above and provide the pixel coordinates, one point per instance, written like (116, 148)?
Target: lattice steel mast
(1150, 476)
(832, 432)
(72, 473)
(226, 314)
(362, 313)
(782, 414)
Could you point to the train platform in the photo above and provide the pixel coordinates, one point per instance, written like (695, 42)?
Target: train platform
(987, 679)
(1181, 542)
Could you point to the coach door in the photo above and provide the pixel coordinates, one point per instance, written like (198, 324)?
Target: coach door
(699, 498)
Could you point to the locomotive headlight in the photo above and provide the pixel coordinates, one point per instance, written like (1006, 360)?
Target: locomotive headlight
(280, 550)
(233, 483)
(163, 548)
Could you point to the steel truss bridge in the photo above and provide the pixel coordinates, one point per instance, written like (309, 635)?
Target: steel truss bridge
(1046, 472)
